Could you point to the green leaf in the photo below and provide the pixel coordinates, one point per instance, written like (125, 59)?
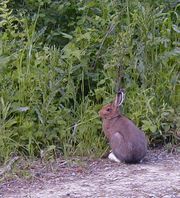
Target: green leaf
(68, 36)
(176, 28)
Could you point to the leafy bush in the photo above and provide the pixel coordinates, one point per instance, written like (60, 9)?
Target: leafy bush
(61, 61)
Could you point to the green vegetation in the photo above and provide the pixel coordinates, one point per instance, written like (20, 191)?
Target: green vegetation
(60, 61)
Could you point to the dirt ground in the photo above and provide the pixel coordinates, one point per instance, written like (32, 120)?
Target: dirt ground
(157, 176)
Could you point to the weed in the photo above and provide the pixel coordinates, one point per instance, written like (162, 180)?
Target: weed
(58, 69)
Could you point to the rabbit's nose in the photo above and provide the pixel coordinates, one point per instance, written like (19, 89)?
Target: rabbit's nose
(100, 114)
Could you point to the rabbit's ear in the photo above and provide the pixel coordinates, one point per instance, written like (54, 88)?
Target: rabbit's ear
(119, 98)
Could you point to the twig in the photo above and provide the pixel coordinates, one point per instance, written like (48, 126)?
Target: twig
(8, 167)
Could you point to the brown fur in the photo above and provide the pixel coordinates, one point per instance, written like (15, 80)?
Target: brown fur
(128, 143)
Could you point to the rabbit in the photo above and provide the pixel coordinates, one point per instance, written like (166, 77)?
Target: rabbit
(128, 143)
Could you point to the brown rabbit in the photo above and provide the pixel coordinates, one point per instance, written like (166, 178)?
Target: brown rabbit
(128, 143)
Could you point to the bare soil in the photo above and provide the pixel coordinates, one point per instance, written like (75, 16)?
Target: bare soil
(157, 176)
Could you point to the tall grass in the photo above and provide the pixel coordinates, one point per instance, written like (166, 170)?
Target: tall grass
(50, 94)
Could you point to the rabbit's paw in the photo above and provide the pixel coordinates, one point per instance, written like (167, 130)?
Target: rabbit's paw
(112, 157)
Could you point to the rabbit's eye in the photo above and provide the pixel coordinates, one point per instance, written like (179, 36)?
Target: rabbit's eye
(109, 109)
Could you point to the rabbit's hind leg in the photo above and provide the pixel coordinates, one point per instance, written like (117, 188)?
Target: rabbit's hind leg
(118, 146)
(112, 157)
